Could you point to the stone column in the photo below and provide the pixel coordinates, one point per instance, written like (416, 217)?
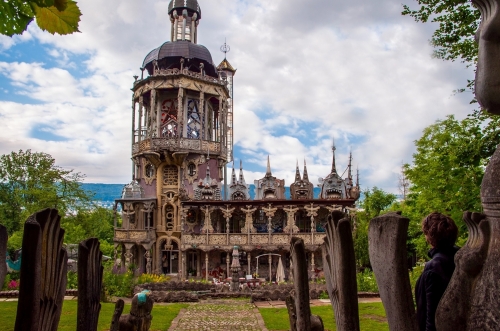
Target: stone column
(227, 214)
(184, 17)
(203, 131)
(313, 274)
(176, 25)
(269, 213)
(227, 265)
(198, 264)
(183, 268)
(312, 212)
(133, 120)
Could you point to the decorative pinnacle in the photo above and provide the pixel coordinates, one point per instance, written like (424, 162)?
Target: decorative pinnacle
(225, 48)
(233, 177)
(297, 172)
(334, 168)
(306, 176)
(268, 171)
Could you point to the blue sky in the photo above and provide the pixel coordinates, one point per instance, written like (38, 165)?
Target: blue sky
(308, 73)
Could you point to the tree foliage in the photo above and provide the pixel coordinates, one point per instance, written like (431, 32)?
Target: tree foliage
(30, 181)
(447, 170)
(54, 16)
(375, 202)
(458, 21)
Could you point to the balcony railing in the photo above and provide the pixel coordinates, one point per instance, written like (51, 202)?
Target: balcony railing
(254, 239)
(175, 144)
(134, 235)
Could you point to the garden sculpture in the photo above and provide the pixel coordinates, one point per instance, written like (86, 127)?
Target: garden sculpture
(43, 273)
(89, 284)
(299, 311)
(387, 248)
(339, 265)
(139, 318)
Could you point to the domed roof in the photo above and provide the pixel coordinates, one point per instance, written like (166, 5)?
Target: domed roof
(171, 52)
(185, 4)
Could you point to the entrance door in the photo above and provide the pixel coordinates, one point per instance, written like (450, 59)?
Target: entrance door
(170, 262)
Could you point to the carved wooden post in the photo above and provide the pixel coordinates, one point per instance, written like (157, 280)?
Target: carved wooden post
(227, 215)
(43, 273)
(89, 284)
(206, 266)
(312, 212)
(339, 264)
(387, 248)
(299, 310)
(248, 228)
(3, 252)
(290, 227)
(269, 213)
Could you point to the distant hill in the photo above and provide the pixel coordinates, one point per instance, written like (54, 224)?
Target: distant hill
(107, 193)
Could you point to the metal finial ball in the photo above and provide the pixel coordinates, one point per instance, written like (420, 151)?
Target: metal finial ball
(225, 48)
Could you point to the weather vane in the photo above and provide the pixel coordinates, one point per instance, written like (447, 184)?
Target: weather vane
(225, 48)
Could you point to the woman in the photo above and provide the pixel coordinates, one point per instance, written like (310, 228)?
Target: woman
(441, 233)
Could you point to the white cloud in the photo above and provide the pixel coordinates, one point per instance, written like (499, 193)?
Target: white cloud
(307, 72)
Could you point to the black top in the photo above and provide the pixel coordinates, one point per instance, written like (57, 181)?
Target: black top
(185, 4)
(431, 285)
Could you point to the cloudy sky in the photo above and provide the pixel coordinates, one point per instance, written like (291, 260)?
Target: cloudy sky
(307, 72)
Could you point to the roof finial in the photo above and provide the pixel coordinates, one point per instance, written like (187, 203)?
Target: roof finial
(306, 176)
(297, 172)
(334, 168)
(357, 177)
(242, 179)
(268, 171)
(225, 48)
(233, 177)
(349, 174)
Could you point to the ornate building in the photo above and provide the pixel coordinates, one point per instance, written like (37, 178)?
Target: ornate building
(179, 215)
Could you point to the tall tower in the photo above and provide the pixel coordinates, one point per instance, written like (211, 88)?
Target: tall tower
(181, 137)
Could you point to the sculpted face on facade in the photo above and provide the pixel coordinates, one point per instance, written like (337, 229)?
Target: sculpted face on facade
(269, 187)
(238, 189)
(302, 188)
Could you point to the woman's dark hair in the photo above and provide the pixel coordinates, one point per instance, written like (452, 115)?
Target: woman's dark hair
(441, 230)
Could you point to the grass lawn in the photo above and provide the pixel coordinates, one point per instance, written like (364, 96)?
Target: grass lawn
(162, 315)
(371, 317)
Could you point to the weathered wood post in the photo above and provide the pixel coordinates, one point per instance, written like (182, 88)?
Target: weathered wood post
(387, 248)
(339, 264)
(43, 273)
(89, 284)
(299, 311)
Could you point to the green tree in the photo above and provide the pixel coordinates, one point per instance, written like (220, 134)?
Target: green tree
(96, 222)
(447, 170)
(374, 202)
(54, 16)
(31, 181)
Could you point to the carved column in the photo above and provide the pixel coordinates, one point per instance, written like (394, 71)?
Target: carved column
(313, 275)
(198, 263)
(141, 103)
(290, 227)
(270, 268)
(227, 215)
(227, 265)
(183, 32)
(180, 111)
(248, 228)
(206, 266)
(312, 212)
(183, 266)
(133, 120)
(176, 25)
(204, 127)
(249, 260)
(269, 213)
(207, 226)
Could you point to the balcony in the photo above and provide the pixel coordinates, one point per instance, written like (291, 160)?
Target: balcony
(252, 239)
(178, 144)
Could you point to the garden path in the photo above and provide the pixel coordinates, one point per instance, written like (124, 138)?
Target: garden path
(215, 315)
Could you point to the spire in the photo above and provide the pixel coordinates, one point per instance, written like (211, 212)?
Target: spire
(233, 177)
(357, 177)
(268, 171)
(297, 173)
(349, 174)
(242, 179)
(306, 176)
(334, 168)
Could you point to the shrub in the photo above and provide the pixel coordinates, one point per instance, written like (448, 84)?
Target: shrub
(72, 280)
(151, 278)
(366, 281)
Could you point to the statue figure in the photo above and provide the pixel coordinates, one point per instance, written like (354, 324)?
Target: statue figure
(139, 318)
(148, 262)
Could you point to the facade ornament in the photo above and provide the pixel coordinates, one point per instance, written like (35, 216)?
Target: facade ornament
(290, 217)
(302, 188)
(238, 189)
(248, 228)
(147, 256)
(269, 187)
(207, 225)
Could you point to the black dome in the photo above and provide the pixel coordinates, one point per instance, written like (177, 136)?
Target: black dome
(169, 54)
(185, 4)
